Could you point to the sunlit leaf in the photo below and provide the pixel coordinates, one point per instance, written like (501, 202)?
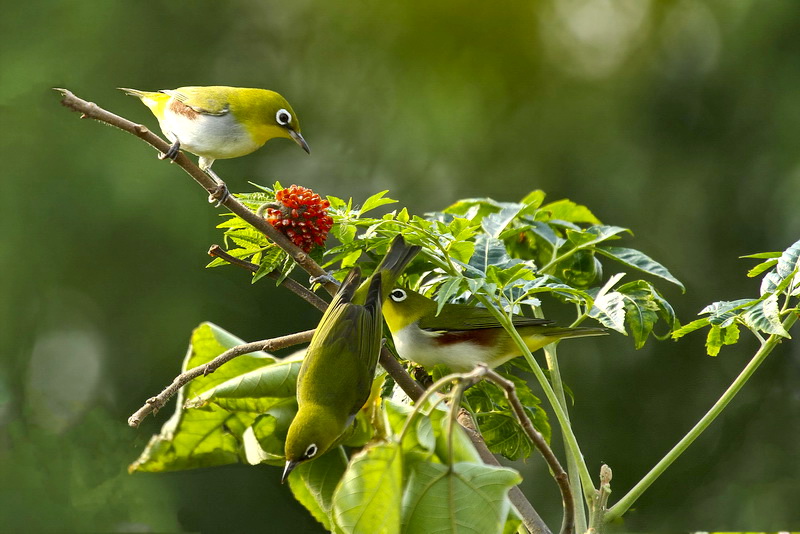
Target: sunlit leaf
(761, 267)
(639, 261)
(609, 309)
(369, 495)
(488, 251)
(566, 210)
(691, 327)
(724, 312)
(255, 391)
(765, 317)
(194, 438)
(375, 201)
(313, 483)
(495, 223)
(714, 340)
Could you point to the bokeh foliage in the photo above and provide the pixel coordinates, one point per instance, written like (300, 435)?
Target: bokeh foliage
(676, 119)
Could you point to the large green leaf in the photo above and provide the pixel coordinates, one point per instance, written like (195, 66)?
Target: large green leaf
(639, 261)
(257, 390)
(368, 498)
(458, 499)
(313, 483)
(194, 438)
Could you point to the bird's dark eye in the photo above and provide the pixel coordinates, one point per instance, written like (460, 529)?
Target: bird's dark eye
(311, 451)
(283, 117)
(398, 295)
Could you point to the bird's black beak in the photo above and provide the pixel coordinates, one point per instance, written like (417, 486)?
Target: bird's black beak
(299, 140)
(290, 465)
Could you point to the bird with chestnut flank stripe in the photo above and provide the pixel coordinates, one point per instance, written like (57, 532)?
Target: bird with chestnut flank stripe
(461, 336)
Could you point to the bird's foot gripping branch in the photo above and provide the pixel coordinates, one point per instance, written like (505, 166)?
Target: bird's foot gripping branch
(480, 275)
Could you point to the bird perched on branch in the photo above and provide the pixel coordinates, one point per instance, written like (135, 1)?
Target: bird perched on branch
(219, 122)
(336, 376)
(462, 336)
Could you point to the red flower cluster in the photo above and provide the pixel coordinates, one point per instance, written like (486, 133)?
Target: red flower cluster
(302, 216)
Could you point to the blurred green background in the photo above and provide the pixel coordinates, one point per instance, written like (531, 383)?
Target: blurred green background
(677, 119)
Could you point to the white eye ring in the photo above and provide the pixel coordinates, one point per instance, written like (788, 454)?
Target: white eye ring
(283, 117)
(398, 295)
(311, 451)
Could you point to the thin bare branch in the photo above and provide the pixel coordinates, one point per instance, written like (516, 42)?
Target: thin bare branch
(292, 285)
(153, 404)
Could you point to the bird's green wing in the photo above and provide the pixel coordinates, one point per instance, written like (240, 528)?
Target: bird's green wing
(465, 317)
(340, 361)
(205, 100)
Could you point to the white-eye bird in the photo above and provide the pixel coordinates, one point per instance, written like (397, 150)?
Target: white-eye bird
(220, 122)
(336, 376)
(462, 336)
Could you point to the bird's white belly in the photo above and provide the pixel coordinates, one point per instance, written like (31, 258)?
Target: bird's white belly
(209, 136)
(420, 347)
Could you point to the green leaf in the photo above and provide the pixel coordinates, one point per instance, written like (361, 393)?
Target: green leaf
(724, 312)
(731, 335)
(264, 441)
(609, 309)
(369, 496)
(375, 201)
(789, 264)
(691, 327)
(313, 483)
(271, 260)
(464, 498)
(765, 317)
(763, 255)
(498, 423)
(194, 438)
(593, 235)
(495, 223)
(714, 340)
(534, 199)
(490, 251)
(257, 390)
(566, 210)
(761, 267)
(639, 261)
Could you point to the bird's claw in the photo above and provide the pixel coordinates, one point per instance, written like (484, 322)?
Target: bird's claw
(172, 152)
(219, 195)
(327, 277)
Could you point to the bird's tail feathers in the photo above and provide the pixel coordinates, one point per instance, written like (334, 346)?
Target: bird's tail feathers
(565, 332)
(150, 99)
(350, 284)
(373, 301)
(397, 258)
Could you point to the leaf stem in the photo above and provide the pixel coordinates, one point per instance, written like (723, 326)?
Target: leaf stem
(629, 498)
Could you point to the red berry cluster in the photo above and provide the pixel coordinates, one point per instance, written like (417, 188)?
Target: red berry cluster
(302, 216)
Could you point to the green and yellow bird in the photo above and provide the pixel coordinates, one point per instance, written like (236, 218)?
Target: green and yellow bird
(336, 376)
(462, 336)
(220, 122)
